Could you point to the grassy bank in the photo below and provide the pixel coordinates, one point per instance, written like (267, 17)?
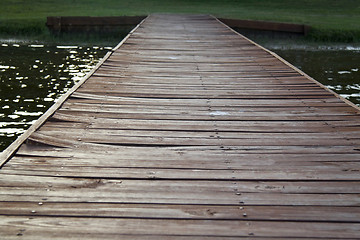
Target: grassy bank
(332, 20)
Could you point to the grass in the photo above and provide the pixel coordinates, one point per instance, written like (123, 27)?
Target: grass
(332, 20)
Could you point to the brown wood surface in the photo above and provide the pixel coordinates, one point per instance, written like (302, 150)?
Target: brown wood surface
(187, 130)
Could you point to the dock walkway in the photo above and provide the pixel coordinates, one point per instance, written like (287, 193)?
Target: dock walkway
(187, 130)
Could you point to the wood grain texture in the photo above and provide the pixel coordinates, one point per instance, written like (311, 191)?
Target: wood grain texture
(187, 131)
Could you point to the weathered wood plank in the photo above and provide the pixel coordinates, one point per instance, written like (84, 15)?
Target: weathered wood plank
(44, 227)
(253, 173)
(208, 212)
(182, 160)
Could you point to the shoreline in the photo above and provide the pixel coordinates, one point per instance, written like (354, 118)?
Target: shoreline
(314, 38)
(331, 21)
(93, 38)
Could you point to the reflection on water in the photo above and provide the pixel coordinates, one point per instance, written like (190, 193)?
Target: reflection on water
(339, 70)
(32, 77)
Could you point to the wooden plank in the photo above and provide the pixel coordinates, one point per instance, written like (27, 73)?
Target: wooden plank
(212, 196)
(206, 212)
(283, 173)
(191, 151)
(108, 228)
(212, 116)
(69, 121)
(154, 141)
(182, 160)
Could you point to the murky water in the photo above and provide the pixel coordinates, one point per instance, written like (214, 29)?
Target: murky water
(33, 76)
(339, 70)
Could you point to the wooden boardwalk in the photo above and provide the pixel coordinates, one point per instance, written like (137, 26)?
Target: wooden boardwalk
(187, 130)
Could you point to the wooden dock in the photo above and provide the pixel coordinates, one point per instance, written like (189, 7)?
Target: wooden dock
(187, 130)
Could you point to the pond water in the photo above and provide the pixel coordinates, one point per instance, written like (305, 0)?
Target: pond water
(338, 70)
(33, 76)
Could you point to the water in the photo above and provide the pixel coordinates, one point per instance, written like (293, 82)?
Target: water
(33, 76)
(339, 70)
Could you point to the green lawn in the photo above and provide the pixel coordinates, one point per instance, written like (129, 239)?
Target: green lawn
(333, 20)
